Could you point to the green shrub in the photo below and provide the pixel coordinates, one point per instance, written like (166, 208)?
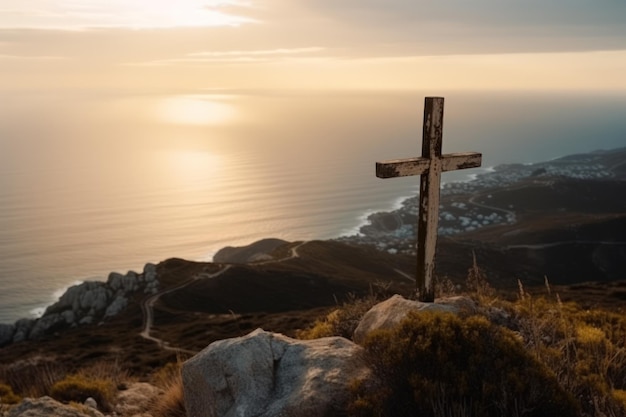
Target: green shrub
(7, 396)
(442, 365)
(78, 388)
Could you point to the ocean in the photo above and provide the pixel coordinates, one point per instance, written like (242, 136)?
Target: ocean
(93, 182)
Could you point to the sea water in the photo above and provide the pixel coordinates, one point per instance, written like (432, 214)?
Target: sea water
(97, 182)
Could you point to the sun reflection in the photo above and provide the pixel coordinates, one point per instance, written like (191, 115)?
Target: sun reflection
(191, 166)
(196, 110)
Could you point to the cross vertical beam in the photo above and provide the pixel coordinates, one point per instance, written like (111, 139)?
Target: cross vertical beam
(429, 167)
(428, 218)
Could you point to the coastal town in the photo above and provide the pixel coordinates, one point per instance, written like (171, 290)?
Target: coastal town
(467, 205)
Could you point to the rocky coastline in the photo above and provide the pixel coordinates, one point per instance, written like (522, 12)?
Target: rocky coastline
(90, 302)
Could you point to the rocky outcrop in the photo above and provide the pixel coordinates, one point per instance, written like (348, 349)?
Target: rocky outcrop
(269, 375)
(257, 251)
(86, 303)
(22, 329)
(390, 312)
(46, 406)
(136, 399)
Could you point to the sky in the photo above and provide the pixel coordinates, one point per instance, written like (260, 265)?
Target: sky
(312, 44)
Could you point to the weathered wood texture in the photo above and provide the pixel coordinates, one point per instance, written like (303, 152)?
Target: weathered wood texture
(429, 167)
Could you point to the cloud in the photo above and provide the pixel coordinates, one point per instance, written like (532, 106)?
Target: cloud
(30, 58)
(477, 26)
(235, 56)
(136, 14)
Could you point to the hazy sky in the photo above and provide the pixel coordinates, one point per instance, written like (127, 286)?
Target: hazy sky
(403, 44)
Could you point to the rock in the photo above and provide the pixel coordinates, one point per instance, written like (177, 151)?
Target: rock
(149, 272)
(46, 406)
(119, 303)
(123, 283)
(45, 324)
(250, 253)
(114, 281)
(22, 329)
(95, 298)
(69, 317)
(269, 375)
(91, 403)
(390, 312)
(7, 331)
(85, 303)
(136, 399)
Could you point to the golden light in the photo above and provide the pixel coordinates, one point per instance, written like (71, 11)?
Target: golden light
(136, 14)
(167, 13)
(191, 166)
(196, 110)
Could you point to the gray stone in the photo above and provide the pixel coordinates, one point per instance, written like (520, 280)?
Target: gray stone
(392, 311)
(270, 375)
(95, 299)
(91, 403)
(46, 406)
(69, 317)
(149, 272)
(46, 324)
(118, 305)
(22, 329)
(115, 281)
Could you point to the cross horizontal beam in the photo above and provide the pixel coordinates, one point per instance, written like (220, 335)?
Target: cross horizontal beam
(393, 168)
(429, 167)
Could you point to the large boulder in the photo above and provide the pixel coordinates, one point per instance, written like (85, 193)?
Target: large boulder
(46, 406)
(269, 375)
(392, 311)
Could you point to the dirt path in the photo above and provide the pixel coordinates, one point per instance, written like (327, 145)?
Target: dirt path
(147, 306)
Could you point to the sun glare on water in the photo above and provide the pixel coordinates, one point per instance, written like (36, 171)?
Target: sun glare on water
(195, 110)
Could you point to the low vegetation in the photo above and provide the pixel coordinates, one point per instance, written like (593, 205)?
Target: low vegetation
(533, 356)
(79, 387)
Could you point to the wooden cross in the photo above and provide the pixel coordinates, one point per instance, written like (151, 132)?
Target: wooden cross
(429, 166)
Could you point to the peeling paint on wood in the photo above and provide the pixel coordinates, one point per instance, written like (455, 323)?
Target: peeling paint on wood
(429, 167)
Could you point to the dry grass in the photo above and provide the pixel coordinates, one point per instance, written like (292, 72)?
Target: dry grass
(342, 321)
(32, 378)
(171, 403)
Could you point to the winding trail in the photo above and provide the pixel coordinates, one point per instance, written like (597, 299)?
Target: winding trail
(147, 306)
